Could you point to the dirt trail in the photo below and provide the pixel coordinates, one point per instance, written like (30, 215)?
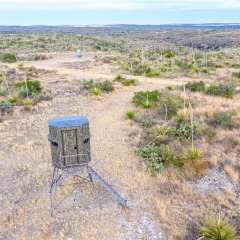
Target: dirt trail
(57, 64)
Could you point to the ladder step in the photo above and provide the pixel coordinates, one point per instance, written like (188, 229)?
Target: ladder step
(108, 187)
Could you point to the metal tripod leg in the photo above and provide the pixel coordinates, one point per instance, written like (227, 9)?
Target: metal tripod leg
(94, 189)
(53, 187)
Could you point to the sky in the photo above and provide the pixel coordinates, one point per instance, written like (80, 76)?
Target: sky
(83, 12)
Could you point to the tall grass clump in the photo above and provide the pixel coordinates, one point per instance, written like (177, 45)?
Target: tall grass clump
(217, 229)
(130, 114)
(96, 91)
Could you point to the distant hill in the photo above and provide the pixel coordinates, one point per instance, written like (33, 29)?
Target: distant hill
(68, 27)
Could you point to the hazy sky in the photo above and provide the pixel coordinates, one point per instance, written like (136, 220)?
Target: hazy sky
(58, 12)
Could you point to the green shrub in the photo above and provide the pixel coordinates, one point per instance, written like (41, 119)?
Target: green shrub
(5, 105)
(169, 87)
(169, 54)
(129, 82)
(107, 86)
(224, 119)
(34, 87)
(151, 154)
(32, 69)
(216, 228)
(157, 156)
(146, 123)
(9, 57)
(118, 78)
(170, 103)
(89, 84)
(146, 99)
(23, 92)
(152, 73)
(224, 90)
(4, 92)
(130, 113)
(42, 97)
(184, 131)
(219, 65)
(236, 74)
(195, 86)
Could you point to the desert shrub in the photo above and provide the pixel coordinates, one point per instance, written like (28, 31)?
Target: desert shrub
(5, 105)
(157, 156)
(152, 73)
(182, 116)
(195, 86)
(42, 97)
(23, 92)
(146, 123)
(169, 87)
(224, 119)
(130, 114)
(236, 74)
(206, 131)
(146, 99)
(34, 87)
(169, 103)
(4, 92)
(89, 84)
(107, 86)
(129, 82)
(216, 228)
(184, 131)
(219, 65)
(39, 57)
(224, 90)
(9, 57)
(205, 70)
(118, 78)
(32, 70)
(169, 54)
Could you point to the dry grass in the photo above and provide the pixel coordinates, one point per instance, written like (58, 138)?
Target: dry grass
(232, 173)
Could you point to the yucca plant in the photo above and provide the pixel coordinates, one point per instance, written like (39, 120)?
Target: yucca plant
(96, 91)
(192, 153)
(216, 228)
(182, 116)
(160, 130)
(28, 102)
(13, 99)
(130, 114)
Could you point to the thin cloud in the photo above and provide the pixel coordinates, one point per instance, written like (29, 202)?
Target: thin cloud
(119, 5)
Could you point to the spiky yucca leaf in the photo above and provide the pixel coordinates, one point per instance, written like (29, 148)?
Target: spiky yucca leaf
(217, 229)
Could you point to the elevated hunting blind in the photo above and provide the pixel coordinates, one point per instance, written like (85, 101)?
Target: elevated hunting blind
(69, 136)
